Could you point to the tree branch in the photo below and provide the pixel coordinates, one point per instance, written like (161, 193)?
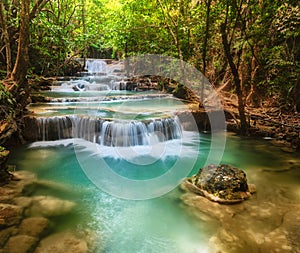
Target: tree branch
(37, 8)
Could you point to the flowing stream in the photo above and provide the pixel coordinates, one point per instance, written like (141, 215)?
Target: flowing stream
(157, 225)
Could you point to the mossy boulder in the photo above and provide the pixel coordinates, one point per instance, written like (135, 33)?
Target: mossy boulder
(221, 183)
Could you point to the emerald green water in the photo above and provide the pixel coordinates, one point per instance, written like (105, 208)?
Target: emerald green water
(120, 108)
(155, 225)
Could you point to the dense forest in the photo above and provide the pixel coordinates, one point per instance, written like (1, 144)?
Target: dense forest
(248, 48)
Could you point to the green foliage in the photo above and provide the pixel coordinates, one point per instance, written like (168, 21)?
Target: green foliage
(52, 37)
(280, 54)
(131, 27)
(264, 37)
(7, 102)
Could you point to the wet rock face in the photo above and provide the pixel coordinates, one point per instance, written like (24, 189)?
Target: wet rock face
(221, 183)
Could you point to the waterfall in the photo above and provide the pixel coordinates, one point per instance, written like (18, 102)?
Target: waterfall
(95, 66)
(108, 132)
(54, 128)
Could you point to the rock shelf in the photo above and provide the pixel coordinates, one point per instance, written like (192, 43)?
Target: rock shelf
(25, 221)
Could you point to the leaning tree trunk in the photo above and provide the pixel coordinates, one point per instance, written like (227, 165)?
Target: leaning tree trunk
(20, 89)
(5, 39)
(21, 65)
(237, 81)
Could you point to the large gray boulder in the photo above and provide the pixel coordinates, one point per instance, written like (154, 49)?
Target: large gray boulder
(221, 183)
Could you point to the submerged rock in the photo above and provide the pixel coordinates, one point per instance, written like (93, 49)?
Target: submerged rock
(48, 206)
(7, 194)
(221, 183)
(20, 244)
(34, 226)
(10, 215)
(284, 238)
(5, 234)
(24, 202)
(64, 242)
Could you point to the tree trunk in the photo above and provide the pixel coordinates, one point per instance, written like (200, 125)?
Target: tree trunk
(204, 52)
(6, 40)
(205, 42)
(21, 65)
(237, 81)
(296, 95)
(174, 32)
(84, 34)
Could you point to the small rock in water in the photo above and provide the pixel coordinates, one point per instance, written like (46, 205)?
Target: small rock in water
(34, 226)
(22, 201)
(64, 242)
(48, 206)
(5, 234)
(10, 215)
(6, 194)
(20, 244)
(221, 183)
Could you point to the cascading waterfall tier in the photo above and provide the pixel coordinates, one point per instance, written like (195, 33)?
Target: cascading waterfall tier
(95, 66)
(105, 132)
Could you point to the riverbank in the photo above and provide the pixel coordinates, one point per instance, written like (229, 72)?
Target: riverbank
(269, 121)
